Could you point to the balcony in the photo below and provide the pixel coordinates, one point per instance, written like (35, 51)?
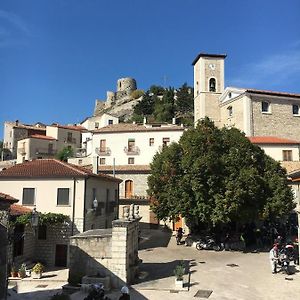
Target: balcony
(21, 151)
(45, 151)
(80, 152)
(135, 150)
(103, 151)
(70, 141)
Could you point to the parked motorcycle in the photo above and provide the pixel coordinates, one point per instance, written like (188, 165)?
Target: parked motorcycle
(208, 244)
(179, 234)
(284, 262)
(96, 293)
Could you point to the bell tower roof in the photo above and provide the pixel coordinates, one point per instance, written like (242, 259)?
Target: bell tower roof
(208, 55)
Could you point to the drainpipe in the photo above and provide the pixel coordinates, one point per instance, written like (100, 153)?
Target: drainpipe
(73, 207)
(114, 167)
(84, 204)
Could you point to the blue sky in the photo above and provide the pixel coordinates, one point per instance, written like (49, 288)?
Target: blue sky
(58, 56)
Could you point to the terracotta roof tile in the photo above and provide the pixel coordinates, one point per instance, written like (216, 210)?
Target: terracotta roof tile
(126, 127)
(273, 93)
(17, 210)
(271, 140)
(8, 198)
(49, 168)
(71, 127)
(125, 168)
(42, 137)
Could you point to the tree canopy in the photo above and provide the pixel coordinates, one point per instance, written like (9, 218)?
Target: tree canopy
(65, 153)
(216, 176)
(160, 104)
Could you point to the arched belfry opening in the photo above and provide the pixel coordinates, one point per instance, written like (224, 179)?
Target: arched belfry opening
(212, 84)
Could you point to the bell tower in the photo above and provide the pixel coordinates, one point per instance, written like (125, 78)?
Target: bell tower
(208, 86)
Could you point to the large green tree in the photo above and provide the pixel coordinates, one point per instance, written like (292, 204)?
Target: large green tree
(65, 153)
(216, 176)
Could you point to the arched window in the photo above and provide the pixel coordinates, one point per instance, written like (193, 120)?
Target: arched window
(212, 84)
(128, 188)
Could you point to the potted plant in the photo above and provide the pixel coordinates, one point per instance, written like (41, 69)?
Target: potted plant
(22, 271)
(13, 271)
(37, 270)
(179, 272)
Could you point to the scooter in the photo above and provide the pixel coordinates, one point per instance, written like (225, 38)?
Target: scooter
(208, 244)
(284, 262)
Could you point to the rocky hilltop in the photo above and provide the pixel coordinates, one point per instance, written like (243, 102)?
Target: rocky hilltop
(121, 102)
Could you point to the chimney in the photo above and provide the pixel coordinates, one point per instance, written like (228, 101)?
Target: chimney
(174, 121)
(145, 121)
(133, 122)
(17, 122)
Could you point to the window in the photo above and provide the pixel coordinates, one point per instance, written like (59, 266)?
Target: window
(28, 196)
(229, 95)
(131, 145)
(42, 232)
(110, 122)
(102, 145)
(229, 111)
(128, 188)
(265, 107)
(96, 125)
(295, 109)
(287, 155)
(62, 196)
(131, 160)
(165, 141)
(102, 161)
(69, 137)
(80, 161)
(151, 142)
(212, 84)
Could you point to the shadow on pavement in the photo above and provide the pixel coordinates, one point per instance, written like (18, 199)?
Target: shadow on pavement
(155, 271)
(154, 238)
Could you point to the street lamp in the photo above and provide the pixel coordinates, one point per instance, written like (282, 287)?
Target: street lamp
(95, 204)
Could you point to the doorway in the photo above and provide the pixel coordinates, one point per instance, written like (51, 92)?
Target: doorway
(61, 254)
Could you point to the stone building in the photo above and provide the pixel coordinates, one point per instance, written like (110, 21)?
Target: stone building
(255, 112)
(90, 201)
(5, 202)
(121, 102)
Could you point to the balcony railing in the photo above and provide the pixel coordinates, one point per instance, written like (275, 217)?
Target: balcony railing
(70, 141)
(103, 151)
(135, 150)
(21, 151)
(45, 151)
(80, 152)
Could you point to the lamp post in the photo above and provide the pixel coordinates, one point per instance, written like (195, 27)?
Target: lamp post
(95, 204)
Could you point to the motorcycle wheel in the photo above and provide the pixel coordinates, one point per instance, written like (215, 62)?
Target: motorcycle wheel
(217, 248)
(199, 247)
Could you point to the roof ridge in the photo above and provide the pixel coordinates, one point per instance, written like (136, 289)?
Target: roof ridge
(70, 166)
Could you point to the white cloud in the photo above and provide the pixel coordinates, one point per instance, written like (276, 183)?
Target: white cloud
(13, 30)
(272, 70)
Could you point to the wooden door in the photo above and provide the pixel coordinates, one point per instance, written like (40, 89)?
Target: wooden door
(128, 188)
(61, 253)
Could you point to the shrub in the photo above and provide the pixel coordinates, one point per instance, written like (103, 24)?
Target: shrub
(179, 271)
(137, 94)
(38, 268)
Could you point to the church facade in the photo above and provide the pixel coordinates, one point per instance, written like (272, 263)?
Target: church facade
(255, 112)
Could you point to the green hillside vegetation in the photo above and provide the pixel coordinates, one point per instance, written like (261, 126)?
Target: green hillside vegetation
(163, 104)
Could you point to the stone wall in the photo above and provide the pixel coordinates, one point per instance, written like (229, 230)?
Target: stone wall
(279, 122)
(106, 252)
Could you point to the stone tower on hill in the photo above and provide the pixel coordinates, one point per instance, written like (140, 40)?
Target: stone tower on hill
(121, 102)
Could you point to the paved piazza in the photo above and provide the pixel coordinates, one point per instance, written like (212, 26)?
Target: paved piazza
(248, 278)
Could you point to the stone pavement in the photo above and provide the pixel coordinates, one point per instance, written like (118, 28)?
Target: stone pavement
(229, 275)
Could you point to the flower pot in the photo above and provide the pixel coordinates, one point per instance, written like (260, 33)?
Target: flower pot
(14, 274)
(22, 274)
(36, 275)
(179, 283)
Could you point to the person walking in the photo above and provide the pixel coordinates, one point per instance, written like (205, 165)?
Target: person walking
(273, 256)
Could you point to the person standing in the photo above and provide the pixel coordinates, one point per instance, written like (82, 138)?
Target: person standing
(273, 256)
(125, 293)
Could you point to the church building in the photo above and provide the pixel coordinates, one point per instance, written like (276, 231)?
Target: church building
(255, 112)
